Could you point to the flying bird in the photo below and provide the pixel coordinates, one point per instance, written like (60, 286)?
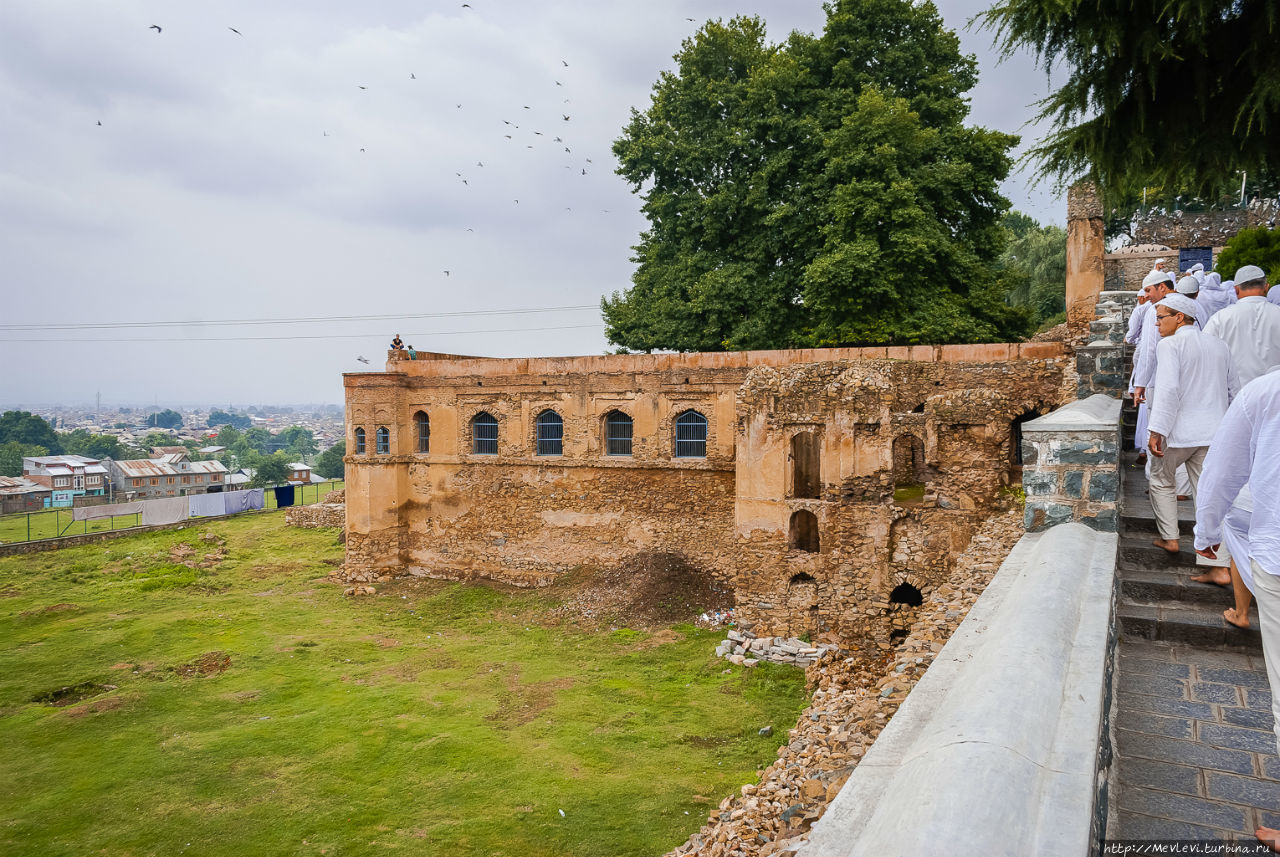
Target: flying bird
(156, 27)
(558, 83)
(584, 172)
(358, 86)
(558, 140)
(234, 30)
(479, 164)
(469, 229)
(508, 136)
(446, 273)
(412, 76)
(363, 359)
(566, 65)
(566, 118)
(362, 150)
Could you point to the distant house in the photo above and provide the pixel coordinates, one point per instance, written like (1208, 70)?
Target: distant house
(67, 476)
(19, 494)
(301, 472)
(171, 474)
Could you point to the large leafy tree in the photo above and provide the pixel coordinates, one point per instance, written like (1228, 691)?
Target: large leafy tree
(1259, 246)
(1178, 93)
(27, 428)
(12, 453)
(1035, 267)
(329, 463)
(823, 191)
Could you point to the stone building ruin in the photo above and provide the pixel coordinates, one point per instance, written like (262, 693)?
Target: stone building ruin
(824, 486)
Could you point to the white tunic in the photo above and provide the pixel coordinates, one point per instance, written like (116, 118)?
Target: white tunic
(1245, 449)
(1251, 330)
(1214, 297)
(1196, 381)
(1135, 323)
(1144, 357)
(1273, 295)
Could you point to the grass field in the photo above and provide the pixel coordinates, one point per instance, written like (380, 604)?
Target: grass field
(51, 523)
(149, 708)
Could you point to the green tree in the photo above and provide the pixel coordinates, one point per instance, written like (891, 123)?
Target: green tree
(26, 427)
(269, 470)
(165, 419)
(299, 441)
(12, 453)
(798, 194)
(223, 418)
(1178, 93)
(329, 463)
(1259, 246)
(1035, 267)
(83, 442)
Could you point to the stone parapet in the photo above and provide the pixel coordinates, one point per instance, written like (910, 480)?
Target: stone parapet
(316, 516)
(1071, 465)
(1101, 369)
(1003, 746)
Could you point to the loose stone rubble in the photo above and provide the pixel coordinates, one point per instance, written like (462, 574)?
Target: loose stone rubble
(855, 694)
(317, 515)
(746, 649)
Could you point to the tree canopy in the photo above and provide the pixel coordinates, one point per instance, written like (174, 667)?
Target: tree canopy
(1259, 246)
(218, 418)
(1035, 268)
(329, 463)
(167, 418)
(27, 428)
(11, 455)
(269, 470)
(1179, 93)
(822, 191)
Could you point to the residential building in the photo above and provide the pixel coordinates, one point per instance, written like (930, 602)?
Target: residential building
(171, 474)
(69, 476)
(18, 494)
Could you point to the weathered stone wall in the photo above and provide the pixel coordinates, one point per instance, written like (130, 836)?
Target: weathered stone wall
(1201, 229)
(316, 515)
(805, 550)
(1071, 466)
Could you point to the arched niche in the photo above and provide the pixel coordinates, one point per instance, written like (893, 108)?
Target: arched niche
(806, 466)
(802, 533)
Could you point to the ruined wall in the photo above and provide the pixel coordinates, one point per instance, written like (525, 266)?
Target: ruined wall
(1203, 228)
(816, 546)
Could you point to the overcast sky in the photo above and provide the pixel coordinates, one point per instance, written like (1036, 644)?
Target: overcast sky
(326, 162)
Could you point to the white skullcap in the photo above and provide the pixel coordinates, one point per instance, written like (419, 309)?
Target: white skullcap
(1198, 266)
(1250, 272)
(1188, 286)
(1153, 278)
(1159, 261)
(1181, 303)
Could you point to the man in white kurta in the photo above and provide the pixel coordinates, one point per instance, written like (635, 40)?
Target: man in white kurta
(1246, 449)
(1250, 328)
(1156, 284)
(1215, 295)
(1195, 381)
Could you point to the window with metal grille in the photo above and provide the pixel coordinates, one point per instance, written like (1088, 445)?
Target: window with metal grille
(550, 433)
(384, 441)
(617, 433)
(359, 441)
(484, 434)
(691, 435)
(424, 431)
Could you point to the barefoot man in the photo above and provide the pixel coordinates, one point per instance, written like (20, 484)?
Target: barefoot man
(1194, 383)
(1246, 449)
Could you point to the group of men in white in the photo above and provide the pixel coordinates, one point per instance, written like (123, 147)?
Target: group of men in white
(1206, 381)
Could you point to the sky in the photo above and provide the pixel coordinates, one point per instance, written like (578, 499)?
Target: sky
(376, 168)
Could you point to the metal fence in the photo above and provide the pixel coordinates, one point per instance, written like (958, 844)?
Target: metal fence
(58, 522)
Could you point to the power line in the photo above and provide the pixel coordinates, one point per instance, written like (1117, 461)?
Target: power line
(300, 320)
(380, 335)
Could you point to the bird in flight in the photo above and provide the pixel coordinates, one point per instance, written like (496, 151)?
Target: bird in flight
(99, 123)
(558, 83)
(156, 27)
(446, 273)
(363, 359)
(479, 164)
(566, 65)
(558, 140)
(566, 118)
(362, 150)
(234, 30)
(412, 76)
(358, 86)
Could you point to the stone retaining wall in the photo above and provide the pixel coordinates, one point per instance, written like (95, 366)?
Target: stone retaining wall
(316, 516)
(1071, 465)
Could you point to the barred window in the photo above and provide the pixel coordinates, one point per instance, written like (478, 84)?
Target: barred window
(384, 441)
(484, 434)
(550, 433)
(617, 433)
(359, 441)
(691, 435)
(424, 431)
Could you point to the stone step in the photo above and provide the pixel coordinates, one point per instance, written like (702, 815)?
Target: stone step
(1136, 523)
(1148, 586)
(1187, 624)
(1137, 550)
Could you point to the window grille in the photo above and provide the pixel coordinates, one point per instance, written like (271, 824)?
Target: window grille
(691, 435)
(484, 434)
(550, 433)
(617, 433)
(424, 432)
(384, 441)
(359, 441)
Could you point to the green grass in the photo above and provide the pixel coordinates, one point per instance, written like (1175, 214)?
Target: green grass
(51, 523)
(432, 718)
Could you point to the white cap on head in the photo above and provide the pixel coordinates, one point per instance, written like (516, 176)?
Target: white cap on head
(1153, 278)
(1249, 272)
(1188, 286)
(1198, 266)
(1181, 303)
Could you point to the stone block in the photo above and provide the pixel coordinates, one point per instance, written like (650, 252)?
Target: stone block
(1086, 452)
(1085, 363)
(1073, 484)
(1039, 483)
(1104, 486)
(1106, 521)
(1043, 514)
(1030, 453)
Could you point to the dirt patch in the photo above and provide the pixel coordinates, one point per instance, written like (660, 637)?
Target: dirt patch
(210, 663)
(10, 593)
(646, 590)
(97, 706)
(659, 638)
(52, 608)
(61, 697)
(521, 703)
(278, 569)
(184, 554)
(122, 666)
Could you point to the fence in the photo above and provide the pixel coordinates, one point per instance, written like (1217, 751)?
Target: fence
(54, 523)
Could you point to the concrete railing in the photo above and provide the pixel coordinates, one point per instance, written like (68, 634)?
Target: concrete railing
(1001, 748)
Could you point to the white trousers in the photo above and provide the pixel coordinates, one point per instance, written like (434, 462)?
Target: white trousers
(1266, 592)
(1163, 485)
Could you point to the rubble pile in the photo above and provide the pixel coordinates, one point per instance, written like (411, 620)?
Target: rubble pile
(855, 693)
(746, 649)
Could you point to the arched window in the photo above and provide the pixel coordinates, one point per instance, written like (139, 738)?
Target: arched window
(384, 441)
(550, 433)
(691, 435)
(484, 434)
(905, 593)
(803, 533)
(423, 423)
(359, 441)
(617, 433)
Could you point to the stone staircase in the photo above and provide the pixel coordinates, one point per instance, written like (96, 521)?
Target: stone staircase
(1157, 599)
